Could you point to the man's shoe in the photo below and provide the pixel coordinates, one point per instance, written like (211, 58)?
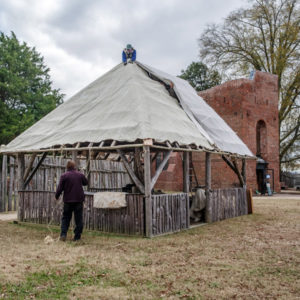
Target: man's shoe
(63, 238)
(76, 239)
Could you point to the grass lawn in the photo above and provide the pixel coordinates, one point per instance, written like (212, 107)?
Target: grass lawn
(250, 257)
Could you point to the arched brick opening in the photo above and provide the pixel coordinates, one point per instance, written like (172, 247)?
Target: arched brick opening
(261, 139)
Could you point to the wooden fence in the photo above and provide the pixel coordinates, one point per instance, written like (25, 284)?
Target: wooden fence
(170, 213)
(228, 203)
(41, 207)
(104, 175)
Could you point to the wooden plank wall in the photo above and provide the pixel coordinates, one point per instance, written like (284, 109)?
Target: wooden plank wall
(228, 203)
(105, 176)
(170, 213)
(8, 184)
(41, 207)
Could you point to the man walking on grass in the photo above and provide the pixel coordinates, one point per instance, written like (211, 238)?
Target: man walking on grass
(71, 184)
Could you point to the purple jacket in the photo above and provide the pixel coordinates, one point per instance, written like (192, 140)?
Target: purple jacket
(71, 184)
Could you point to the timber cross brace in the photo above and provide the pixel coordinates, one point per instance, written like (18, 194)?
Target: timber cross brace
(140, 185)
(232, 163)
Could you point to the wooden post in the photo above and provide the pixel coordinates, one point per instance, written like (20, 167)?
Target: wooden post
(11, 183)
(244, 171)
(186, 177)
(138, 168)
(75, 159)
(208, 210)
(4, 183)
(148, 198)
(28, 169)
(21, 170)
(88, 168)
(245, 183)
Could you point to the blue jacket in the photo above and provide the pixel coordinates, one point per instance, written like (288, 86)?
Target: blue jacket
(124, 56)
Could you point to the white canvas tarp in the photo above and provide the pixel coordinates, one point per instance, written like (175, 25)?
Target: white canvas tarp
(122, 105)
(109, 200)
(214, 128)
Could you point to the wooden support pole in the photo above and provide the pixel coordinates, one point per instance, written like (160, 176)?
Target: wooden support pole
(28, 169)
(29, 177)
(131, 173)
(75, 158)
(160, 168)
(244, 175)
(88, 168)
(233, 165)
(3, 183)
(148, 198)
(20, 175)
(153, 158)
(138, 167)
(21, 170)
(229, 163)
(11, 183)
(186, 170)
(238, 173)
(208, 210)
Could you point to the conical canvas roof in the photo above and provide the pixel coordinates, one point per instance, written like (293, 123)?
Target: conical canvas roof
(125, 104)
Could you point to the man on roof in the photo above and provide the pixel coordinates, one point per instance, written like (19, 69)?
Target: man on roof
(128, 55)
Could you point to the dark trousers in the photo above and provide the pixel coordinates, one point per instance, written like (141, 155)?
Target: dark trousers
(69, 208)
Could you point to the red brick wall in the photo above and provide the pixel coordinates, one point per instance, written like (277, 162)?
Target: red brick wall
(170, 179)
(242, 104)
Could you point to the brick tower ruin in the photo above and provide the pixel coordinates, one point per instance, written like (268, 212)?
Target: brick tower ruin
(250, 108)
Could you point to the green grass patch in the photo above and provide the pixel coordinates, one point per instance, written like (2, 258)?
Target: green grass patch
(58, 283)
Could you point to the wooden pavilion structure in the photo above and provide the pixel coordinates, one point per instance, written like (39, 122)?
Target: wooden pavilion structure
(147, 213)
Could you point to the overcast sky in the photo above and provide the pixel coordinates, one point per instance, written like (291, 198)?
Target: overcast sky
(82, 39)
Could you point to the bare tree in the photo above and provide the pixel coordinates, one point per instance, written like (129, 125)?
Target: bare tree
(264, 36)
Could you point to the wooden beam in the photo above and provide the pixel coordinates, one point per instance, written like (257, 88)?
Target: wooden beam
(3, 183)
(148, 198)
(20, 172)
(244, 175)
(134, 178)
(193, 168)
(208, 209)
(11, 182)
(20, 176)
(186, 171)
(88, 166)
(75, 158)
(154, 156)
(229, 163)
(238, 173)
(34, 170)
(148, 142)
(28, 169)
(160, 168)
(137, 164)
(233, 165)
